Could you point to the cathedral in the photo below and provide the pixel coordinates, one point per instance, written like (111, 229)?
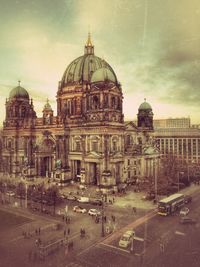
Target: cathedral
(87, 140)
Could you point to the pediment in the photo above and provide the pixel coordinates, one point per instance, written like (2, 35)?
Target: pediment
(93, 155)
(131, 126)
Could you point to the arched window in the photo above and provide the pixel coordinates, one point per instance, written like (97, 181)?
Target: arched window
(95, 102)
(115, 144)
(94, 143)
(113, 102)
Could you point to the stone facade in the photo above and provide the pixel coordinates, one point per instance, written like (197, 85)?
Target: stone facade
(87, 140)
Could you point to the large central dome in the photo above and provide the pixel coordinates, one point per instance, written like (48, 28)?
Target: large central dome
(81, 69)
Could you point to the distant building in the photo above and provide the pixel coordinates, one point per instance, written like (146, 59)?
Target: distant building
(172, 123)
(184, 143)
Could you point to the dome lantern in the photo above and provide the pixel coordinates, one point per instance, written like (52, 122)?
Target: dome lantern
(89, 48)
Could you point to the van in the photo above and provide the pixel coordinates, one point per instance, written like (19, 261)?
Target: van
(83, 199)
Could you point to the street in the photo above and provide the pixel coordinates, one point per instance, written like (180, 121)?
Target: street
(159, 241)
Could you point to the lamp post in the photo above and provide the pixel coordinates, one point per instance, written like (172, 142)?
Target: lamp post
(102, 218)
(26, 195)
(178, 179)
(156, 181)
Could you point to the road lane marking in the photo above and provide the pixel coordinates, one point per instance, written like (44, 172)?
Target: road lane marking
(138, 238)
(132, 226)
(179, 233)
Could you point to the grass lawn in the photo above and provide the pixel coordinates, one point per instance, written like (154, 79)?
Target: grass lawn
(9, 220)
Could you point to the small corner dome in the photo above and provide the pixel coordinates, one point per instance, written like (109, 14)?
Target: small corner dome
(19, 92)
(47, 106)
(145, 106)
(102, 75)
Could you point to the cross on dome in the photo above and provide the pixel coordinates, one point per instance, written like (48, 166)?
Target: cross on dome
(89, 48)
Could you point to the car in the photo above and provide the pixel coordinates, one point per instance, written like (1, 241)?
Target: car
(63, 196)
(187, 220)
(72, 198)
(94, 212)
(126, 239)
(10, 193)
(184, 211)
(83, 199)
(96, 201)
(82, 187)
(187, 199)
(79, 209)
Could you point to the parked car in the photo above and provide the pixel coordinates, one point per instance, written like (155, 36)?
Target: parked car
(79, 209)
(184, 211)
(96, 201)
(187, 199)
(94, 212)
(149, 196)
(72, 198)
(10, 193)
(187, 220)
(126, 239)
(82, 187)
(63, 196)
(83, 199)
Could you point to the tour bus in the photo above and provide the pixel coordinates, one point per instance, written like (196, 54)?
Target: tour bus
(168, 205)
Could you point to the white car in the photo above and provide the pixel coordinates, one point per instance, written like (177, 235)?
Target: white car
(83, 199)
(10, 193)
(79, 209)
(126, 239)
(94, 212)
(184, 211)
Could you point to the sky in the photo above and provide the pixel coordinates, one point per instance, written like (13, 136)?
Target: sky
(152, 45)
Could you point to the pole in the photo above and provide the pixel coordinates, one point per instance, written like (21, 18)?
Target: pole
(156, 181)
(132, 244)
(102, 219)
(178, 180)
(26, 187)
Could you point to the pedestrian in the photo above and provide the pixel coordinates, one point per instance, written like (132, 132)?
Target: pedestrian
(36, 231)
(68, 231)
(66, 220)
(39, 230)
(134, 210)
(113, 199)
(105, 218)
(63, 218)
(162, 247)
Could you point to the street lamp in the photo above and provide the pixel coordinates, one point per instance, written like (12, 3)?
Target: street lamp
(179, 179)
(26, 195)
(102, 218)
(156, 181)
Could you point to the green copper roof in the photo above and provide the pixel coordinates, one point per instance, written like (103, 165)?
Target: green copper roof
(19, 92)
(81, 69)
(102, 75)
(47, 106)
(145, 106)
